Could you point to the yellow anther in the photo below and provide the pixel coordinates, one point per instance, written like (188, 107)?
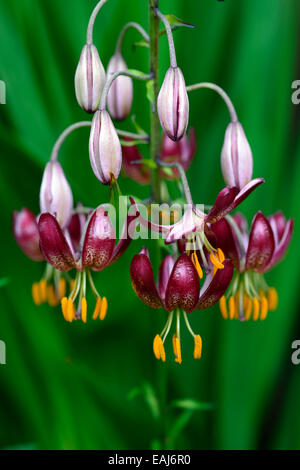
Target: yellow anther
(83, 310)
(255, 309)
(221, 255)
(223, 307)
(214, 258)
(156, 349)
(272, 299)
(232, 309)
(97, 309)
(43, 290)
(197, 265)
(248, 308)
(263, 308)
(64, 305)
(198, 347)
(177, 349)
(70, 310)
(52, 299)
(62, 288)
(103, 308)
(36, 293)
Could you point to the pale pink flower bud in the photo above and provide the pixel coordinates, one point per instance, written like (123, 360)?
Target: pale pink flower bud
(55, 194)
(236, 157)
(173, 104)
(105, 148)
(120, 94)
(89, 79)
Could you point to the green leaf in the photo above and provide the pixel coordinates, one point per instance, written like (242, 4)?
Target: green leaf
(150, 91)
(176, 22)
(141, 44)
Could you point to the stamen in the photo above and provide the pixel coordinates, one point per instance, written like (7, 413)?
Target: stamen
(83, 310)
(103, 308)
(272, 299)
(52, 299)
(97, 309)
(255, 309)
(70, 310)
(64, 305)
(198, 347)
(177, 349)
(248, 308)
(231, 305)
(62, 288)
(36, 293)
(43, 290)
(223, 307)
(156, 349)
(264, 308)
(197, 264)
(214, 258)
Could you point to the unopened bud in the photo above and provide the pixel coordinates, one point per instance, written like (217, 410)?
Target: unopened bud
(236, 157)
(105, 148)
(120, 94)
(89, 79)
(55, 194)
(173, 104)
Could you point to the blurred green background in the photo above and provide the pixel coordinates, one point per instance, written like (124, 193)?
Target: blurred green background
(74, 386)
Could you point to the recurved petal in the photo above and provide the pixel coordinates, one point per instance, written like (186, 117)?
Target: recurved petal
(261, 244)
(99, 241)
(54, 245)
(183, 286)
(215, 286)
(244, 193)
(281, 248)
(278, 224)
(26, 233)
(125, 240)
(165, 270)
(223, 204)
(226, 241)
(142, 280)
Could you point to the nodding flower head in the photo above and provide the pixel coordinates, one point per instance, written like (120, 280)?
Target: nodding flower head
(119, 100)
(55, 194)
(253, 253)
(173, 104)
(178, 292)
(236, 157)
(26, 233)
(89, 79)
(105, 148)
(97, 250)
(182, 151)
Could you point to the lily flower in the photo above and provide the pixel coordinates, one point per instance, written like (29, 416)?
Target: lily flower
(178, 292)
(97, 250)
(194, 225)
(182, 151)
(52, 287)
(253, 253)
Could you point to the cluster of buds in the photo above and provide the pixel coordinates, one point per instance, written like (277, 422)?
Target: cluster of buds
(215, 258)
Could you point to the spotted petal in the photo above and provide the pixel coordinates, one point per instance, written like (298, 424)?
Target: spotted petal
(215, 286)
(183, 286)
(99, 241)
(142, 280)
(54, 245)
(261, 244)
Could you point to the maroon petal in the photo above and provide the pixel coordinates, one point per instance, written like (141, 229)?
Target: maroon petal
(133, 170)
(125, 239)
(75, 229)
(183, 286)
(281, 248)
(215, 286)
(54, 245)
(241, 222)
(26, 233)
(278, 224)
(99, 241)
(246, 191)
(142, 280)
(226, 241)
(261, 244)
(223, 204)
(165, 270)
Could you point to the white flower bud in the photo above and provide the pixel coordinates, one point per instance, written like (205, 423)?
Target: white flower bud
(120, 94)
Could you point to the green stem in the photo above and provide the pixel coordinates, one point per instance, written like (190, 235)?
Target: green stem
(154, 120)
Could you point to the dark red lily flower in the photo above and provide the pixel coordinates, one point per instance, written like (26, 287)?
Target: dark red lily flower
(178, 289)
(96, 252)
(26, 233)
(182, 151)
(253, 253)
